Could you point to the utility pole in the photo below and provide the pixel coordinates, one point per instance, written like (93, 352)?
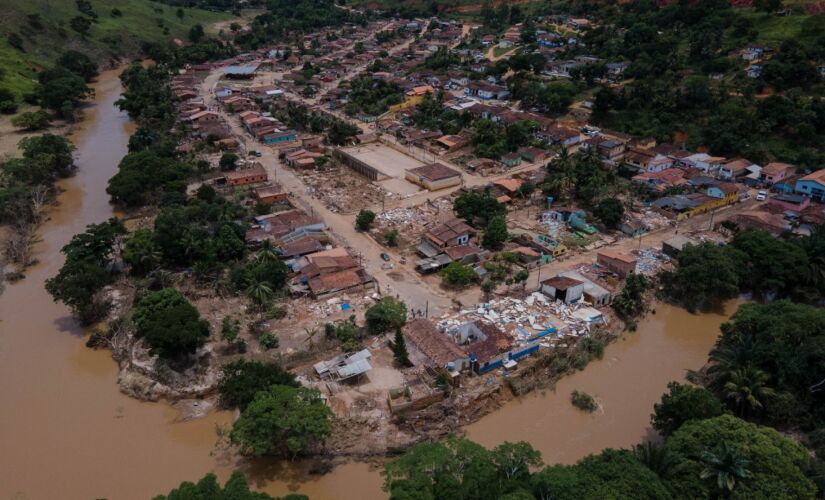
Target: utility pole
(427, 309)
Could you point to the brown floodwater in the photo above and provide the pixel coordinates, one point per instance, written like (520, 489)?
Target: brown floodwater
(65, 429)
(67, 432)
(631, 377)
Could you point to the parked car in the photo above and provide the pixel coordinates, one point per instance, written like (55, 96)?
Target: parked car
(761, 196)
(385, 256)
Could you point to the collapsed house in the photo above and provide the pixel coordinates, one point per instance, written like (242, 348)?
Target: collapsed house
(344, 366)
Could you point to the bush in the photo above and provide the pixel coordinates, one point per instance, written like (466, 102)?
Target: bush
(387, 314)
(170, 324)
(583, 401)
(683, 403)
(241, 380)
(269, 341)
(364, 219)
(457, 274)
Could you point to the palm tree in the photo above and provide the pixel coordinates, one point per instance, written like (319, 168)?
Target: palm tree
(747, 390)
(655, 457)
(267, 252)
(311, 333)
(724, 467)
(726, 357)
(259, 292)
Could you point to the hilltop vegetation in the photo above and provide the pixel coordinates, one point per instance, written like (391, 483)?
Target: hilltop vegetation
(35, 32)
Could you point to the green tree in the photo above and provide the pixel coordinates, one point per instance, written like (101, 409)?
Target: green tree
(230, 329)
(208, 488)
(724, 467)
(474, 205)
(771, 265)
(171, 325)
(399, 348)
(487, 287)
(457, 274)
(84, 273)
(82, 25)
(391, 238)
(683, 403)
(241, 380)
(15, 41)
(496, 233)
(32, 120)
(777, 464)
(629, 303)
(259, 292)
(610, 211)
(141, 252)
(385, 315)
(746, 391)
(706, 275)
(227, 161)
(282, 421)
(196, 33)
(228, 244)
(364, 219)
(78, 63)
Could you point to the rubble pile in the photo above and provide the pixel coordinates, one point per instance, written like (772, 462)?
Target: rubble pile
(526, 320)
(649, 261)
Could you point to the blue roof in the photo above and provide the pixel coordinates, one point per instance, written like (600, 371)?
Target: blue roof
(240, 70)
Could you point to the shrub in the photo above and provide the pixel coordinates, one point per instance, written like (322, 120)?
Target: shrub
(583, 401)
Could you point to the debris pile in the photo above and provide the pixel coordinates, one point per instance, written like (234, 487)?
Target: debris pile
(527, 320)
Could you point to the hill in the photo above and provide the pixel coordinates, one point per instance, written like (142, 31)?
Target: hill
(43, 28)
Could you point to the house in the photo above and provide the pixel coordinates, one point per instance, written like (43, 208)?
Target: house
(632, 227)
(674, 246)
(591, 292)
(703, 161)
(533, 154)
(616, 262)
(775, 224)
(327, 285)
(204, 117)
(737, 168)
(279, 136)
(453, 232)
(452, 143)
(247, 176)
(439, 349)
(511, 160)
(609, 149)
(344, 366)
(434, 176)
(486, 91)
(567, 290)
(662, 181)
(270, 194)
(508, 186)
(774, 172)
(300, 247)
(724, 190)
(789, 202)
(812, 185)
(484, 343)
(290, 221)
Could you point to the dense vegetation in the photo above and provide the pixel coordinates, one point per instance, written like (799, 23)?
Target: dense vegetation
(208, 488)
(688, 80)
(81, 279)
(713, 458)
(754, 261)
(33, 36)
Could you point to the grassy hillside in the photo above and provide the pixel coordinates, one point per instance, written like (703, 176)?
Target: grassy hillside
(111, 37)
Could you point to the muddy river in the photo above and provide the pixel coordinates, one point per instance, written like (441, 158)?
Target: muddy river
(67, 432)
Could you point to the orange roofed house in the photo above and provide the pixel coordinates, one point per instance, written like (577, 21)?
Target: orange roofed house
(616, 262)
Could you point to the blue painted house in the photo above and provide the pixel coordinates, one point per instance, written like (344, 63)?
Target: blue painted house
(812, 185)
(279, 137)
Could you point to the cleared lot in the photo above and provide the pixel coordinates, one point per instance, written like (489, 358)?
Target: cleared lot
(383, 158)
